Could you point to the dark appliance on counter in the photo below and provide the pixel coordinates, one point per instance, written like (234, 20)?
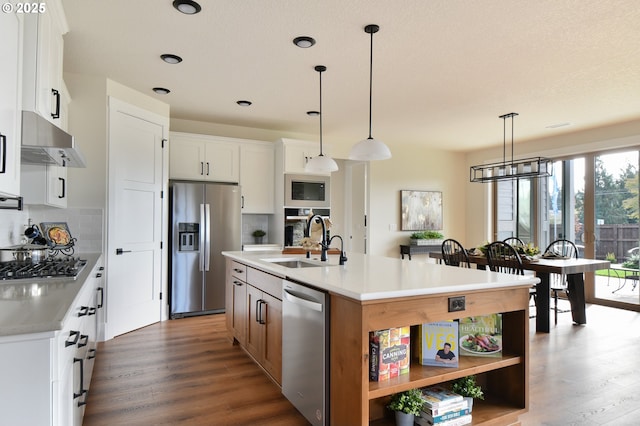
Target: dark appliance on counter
(66, 267)
(205, 221)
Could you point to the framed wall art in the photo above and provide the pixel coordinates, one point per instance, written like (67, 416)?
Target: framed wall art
(421, 210)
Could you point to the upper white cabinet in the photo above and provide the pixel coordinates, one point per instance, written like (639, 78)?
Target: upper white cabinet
(296, 153)
(10, 102)
(257, 177)
(43, 87)
(202, 157)
(44, 185)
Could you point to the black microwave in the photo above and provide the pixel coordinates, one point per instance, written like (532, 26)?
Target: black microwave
(307, 191)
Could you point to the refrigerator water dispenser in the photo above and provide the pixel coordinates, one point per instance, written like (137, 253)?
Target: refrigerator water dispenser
(188, 236)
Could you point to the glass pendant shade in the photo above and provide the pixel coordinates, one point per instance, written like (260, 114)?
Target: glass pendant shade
(370, 149)
(321, 164)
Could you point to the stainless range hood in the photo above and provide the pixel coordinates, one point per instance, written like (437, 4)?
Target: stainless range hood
(45, 143)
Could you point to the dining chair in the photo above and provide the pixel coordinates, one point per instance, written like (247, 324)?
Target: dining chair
(563, 249)
(454, 254)
(514, 241)
(503, 257)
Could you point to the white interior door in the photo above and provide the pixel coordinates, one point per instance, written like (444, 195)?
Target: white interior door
(135, 215)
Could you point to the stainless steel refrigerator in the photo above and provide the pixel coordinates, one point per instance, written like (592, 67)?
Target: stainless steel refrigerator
(205, 220)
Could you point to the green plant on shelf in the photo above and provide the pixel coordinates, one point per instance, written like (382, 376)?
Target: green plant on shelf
(409, 402)
(467, 386)
(259, 233)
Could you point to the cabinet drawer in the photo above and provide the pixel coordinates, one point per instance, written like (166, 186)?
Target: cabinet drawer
(265, 282)
(238, 270)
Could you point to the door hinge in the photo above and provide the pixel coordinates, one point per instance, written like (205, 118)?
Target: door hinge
(161, 194)
(160, 245)
(163, 141)
(160, 295)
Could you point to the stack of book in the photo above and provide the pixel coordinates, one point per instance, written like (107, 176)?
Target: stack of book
(443, 408)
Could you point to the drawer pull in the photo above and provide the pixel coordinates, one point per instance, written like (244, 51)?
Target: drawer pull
(84, 310)
(239, 271)
(238, 283)
(73, 338)
(92, 311)
(92, 353)
(84, 340)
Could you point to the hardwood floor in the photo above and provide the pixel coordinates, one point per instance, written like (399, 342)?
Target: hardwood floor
(185, 372)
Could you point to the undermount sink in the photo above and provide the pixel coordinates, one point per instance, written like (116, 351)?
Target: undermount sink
(295, 263)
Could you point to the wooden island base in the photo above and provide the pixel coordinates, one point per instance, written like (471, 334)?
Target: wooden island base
(356, 401)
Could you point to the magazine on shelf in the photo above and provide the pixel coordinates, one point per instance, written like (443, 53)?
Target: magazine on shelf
(389, 353)
(433, 420)
(438, 397)
(481, 336)
(438, 344)
(458, 421)
(448, 408)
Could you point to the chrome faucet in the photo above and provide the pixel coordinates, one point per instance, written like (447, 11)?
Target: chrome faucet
(323, 244)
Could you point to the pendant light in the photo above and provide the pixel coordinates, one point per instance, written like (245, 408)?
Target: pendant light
(370, 148)
(321, 163)
(534, 167)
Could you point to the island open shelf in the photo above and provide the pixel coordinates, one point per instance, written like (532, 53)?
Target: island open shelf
(357, 401)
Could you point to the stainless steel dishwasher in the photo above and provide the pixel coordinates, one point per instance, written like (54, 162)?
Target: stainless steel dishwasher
(305, 350)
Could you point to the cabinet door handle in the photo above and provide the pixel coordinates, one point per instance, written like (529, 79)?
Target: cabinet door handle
(56, 113)
(242, 202)
(84, 310)
(81, 390)
(261, 316)
(73, 338)
(258, 311)
(207, 168)
(201, 168)
(92, 353)
(64, 187)
(84, 340)
(101, 291)
(3, 163)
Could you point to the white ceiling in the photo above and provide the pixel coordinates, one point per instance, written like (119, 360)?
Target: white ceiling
(443, 70)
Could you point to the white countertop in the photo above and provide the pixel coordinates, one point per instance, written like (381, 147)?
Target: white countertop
(366, 277)
(36, 306)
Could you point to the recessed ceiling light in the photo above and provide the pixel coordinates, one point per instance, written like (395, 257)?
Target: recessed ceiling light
(171, 59)
(244, 103)
(161, 90)
(313, 113)
(304, 41)
(188, 7)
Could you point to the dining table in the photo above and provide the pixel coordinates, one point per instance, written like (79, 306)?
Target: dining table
(573, 269)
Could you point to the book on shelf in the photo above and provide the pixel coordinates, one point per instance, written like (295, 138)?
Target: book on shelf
(389, 353)
(438, 345)
(453, 414)
(481, 335)
(438, 397)
(458, 421)
(447, 408)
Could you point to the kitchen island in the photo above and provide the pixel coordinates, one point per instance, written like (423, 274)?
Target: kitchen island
(372, 293)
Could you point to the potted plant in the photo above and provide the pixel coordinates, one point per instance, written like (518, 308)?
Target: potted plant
(468, 388)
(406, 405)
(257, 235)
(426, 238)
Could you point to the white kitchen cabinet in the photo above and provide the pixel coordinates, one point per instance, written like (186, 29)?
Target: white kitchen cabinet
(10, 102)
(203, 157)
(44, 185)
(43, 54)
(257, 177)
(46, 375)
(296, 153)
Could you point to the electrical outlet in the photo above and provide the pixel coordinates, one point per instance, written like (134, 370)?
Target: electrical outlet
(456, 304)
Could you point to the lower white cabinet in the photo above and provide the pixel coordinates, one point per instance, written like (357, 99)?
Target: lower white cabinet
(46, 376)
(44, 185)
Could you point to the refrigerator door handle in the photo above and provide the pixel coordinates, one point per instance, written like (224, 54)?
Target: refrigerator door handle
(203, 230)
(207, 236)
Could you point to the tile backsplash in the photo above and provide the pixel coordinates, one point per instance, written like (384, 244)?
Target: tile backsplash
(86, 225)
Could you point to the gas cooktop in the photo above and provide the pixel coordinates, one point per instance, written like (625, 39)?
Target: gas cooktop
(57, 267)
